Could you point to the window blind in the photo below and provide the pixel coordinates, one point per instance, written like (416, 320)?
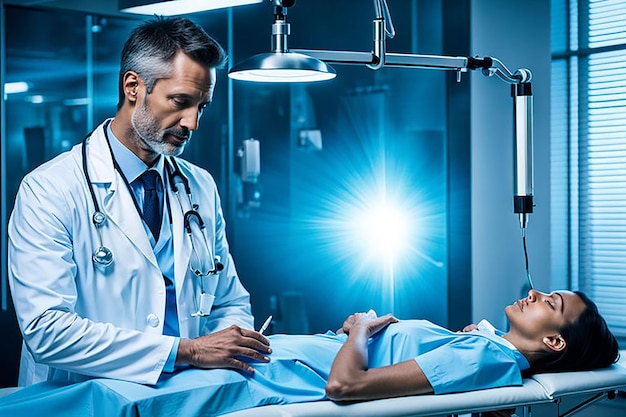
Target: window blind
(607, 23)
(602, 197)
(589, 151)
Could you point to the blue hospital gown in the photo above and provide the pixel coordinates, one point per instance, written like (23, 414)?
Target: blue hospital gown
(297, 372)
(452, 362)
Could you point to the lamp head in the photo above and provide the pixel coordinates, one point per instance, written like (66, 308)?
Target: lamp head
(280, 65)
(177, 7)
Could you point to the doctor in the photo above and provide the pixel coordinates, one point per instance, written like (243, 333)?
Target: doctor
(100, 288)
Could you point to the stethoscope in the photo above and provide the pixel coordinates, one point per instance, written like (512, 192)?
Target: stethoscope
(202, 262)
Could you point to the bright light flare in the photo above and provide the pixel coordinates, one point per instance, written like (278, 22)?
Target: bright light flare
(384, 231)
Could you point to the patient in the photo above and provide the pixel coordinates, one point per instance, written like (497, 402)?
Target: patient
(561, 331)
(380, 357)
(368, 358)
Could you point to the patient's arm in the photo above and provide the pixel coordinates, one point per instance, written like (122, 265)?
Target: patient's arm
(350, 379)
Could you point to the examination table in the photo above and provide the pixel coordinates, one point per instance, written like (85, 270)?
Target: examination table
(540, 389)
(196, 393)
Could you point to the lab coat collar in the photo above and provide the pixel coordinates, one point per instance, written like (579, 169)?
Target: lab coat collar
(99, 158)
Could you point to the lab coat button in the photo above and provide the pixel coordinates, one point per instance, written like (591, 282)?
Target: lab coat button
(153, 320)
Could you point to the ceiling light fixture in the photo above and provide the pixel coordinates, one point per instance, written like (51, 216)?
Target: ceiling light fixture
(15, 87)
(177, 7)
(282, 65)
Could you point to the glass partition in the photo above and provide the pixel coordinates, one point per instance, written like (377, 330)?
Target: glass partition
(332, 155)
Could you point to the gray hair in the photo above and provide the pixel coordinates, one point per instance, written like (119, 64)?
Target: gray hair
(152, 46)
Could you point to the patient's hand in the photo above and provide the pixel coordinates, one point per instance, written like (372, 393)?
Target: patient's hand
(469, 328)
(373, 323)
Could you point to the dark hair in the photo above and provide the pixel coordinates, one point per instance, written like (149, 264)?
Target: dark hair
(589, 344)
(152, 46)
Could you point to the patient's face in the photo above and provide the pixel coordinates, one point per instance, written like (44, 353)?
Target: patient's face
(540, 315)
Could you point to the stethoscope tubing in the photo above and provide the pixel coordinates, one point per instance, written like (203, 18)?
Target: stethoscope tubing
(103, 256)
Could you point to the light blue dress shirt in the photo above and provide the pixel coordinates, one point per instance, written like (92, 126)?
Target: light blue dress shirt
(132, 167)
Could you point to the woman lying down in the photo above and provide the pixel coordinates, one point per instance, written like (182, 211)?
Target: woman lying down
(369, 358)
(556, 332)
(380, 357)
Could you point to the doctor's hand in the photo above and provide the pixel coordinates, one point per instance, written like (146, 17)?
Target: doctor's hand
(224, 349)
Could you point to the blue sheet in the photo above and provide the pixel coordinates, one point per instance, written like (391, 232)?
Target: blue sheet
(191, 392)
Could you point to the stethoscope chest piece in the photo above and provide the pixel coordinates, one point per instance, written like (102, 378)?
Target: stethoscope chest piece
(102, 255)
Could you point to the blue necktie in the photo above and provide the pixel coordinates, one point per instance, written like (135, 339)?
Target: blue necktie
(151, 207)
(152, 216)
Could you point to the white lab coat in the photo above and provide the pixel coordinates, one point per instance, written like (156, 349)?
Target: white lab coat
(79, 320)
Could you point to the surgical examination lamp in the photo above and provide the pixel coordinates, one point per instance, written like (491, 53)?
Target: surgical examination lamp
(303, 65)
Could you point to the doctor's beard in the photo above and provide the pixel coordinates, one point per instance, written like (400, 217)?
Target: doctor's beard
(149, 131)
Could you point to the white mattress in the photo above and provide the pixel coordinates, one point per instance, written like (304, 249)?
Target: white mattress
(540, 389)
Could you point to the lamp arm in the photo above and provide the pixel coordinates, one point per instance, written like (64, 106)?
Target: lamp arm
(379, 48)
(489, 66)
(498, 69)
(379, 57)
